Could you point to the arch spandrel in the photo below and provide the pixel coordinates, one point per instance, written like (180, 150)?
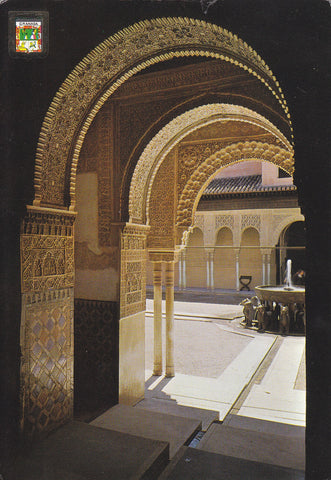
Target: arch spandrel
(282, 223)
(109, 65)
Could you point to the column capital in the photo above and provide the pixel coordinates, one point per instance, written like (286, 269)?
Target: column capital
(163, 255)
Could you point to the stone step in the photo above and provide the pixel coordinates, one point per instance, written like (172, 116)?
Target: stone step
(175, 430)
(193, 464)
(269, 448)
(265, 426)
(171, 407)
(78, 451)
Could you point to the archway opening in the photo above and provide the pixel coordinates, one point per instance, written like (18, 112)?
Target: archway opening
(121, 245)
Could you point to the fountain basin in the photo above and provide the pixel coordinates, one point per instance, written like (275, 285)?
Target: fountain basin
(279, 294)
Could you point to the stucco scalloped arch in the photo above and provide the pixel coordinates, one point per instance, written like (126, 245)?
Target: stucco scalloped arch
(243, 230)
(172, 133)
(109, 65)
(233, 153)
(283, 224)
(219, 229)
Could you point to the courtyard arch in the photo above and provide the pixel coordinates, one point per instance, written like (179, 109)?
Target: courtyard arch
(107, 67)
(48, 228)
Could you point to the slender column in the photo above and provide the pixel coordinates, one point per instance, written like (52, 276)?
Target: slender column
(212, 269)
(180, 278)
(169, 281)
(157, 283)
(237, 251)
(268, 267)
(263, 268)
(184, 270)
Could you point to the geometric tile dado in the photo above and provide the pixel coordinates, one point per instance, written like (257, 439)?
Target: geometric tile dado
(47, 361)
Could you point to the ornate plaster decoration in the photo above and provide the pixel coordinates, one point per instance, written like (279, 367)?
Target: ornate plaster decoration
(224, 221)
(251, 221)
(170, 135)
(47, 251)
(230, 154)
(133, 269)
(108, 66)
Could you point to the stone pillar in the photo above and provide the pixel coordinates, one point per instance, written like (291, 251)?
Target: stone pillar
(157, 283)
(47, 336)
(169, 281)
(268, 267)
(184, 269)
(210, 268)
(180, 277)
(237, 252)
(263, 268)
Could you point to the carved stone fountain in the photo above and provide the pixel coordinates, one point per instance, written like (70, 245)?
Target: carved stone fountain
(282, 308)
(286, 294)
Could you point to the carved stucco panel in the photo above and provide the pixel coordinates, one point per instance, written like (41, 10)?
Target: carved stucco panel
(133, 270)
(47, 258)
(251, 221)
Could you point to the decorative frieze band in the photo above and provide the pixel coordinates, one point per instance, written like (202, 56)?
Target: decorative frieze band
(47, 251)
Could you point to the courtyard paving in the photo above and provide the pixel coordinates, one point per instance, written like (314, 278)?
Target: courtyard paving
(216, 358)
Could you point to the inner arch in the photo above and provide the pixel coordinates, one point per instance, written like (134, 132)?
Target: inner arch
(172, 133)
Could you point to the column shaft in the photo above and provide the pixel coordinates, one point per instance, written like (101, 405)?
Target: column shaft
(169, 281)
(157, 283)
(237, 270)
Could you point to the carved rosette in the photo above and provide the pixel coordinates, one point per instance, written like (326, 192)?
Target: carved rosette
(130, 51)
(133, 269)
(231, 154)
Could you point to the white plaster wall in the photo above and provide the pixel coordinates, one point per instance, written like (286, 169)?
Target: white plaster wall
(100, 283)
(253, 167)
(270, 176)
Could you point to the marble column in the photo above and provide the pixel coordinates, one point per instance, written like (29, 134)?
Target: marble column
(169, 281)
(268, 267)
(157, 284)
(180, 275)
(184, 269)
(237, 252)
(263, 269)
(210, 268)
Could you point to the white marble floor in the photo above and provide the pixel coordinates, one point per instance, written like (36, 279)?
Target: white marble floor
(276, 398)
